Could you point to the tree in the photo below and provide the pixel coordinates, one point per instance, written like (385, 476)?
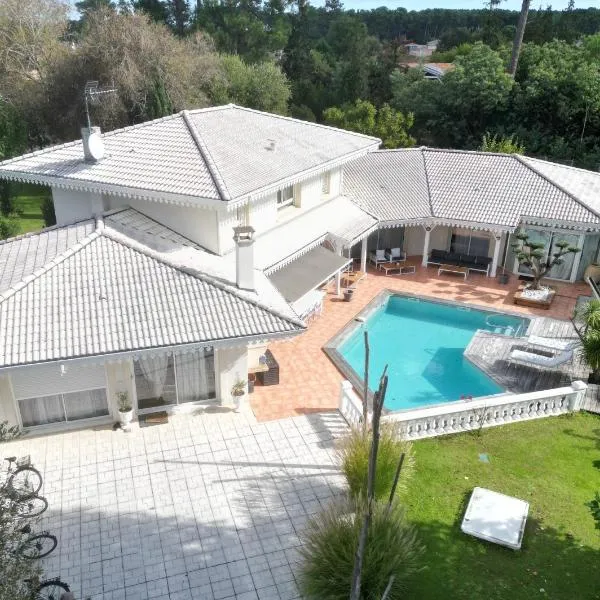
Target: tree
(157, 10)
(386, 123)
(154, 73)
(179, 15)
(85, 7)
(501, 144)
(262, 86)
(518, 41)
(533, 255)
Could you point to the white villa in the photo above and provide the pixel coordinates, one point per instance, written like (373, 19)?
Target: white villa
(183, 246)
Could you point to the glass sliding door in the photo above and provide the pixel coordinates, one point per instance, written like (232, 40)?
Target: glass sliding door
(195, 376)
(471, 245)
(168, 380)
(565, 268)
(63, 408)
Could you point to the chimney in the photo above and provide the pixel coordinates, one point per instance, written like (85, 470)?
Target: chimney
(244, 257)
(91, 152)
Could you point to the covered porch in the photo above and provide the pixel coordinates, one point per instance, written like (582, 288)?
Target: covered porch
(477, 248)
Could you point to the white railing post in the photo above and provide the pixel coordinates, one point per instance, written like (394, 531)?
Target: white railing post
(579, 387)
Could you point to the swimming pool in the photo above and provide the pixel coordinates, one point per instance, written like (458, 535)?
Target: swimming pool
(423, 343)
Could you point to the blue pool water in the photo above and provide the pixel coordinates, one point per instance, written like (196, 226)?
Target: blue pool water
(423, 343)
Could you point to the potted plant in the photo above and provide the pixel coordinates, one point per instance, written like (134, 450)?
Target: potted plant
(590, 352)
(533, 255)
(238, 390)
(125, 410)
(348, 292)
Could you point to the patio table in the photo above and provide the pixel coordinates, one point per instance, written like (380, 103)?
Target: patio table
(453, 269)
(398, 267)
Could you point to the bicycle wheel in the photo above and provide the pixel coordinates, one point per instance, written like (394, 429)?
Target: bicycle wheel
(38, 546)
(27, 508)
(25, 481)
(52, 590)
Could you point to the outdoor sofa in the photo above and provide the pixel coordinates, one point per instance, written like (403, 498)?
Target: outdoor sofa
(473, 263)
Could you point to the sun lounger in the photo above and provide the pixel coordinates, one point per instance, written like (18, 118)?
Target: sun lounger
(557, 344)
(531, 359)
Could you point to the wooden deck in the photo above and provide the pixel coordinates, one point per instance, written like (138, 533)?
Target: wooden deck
(490, 353)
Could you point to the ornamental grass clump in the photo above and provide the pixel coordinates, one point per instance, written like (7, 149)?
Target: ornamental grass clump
(353, 452)
(329, 549)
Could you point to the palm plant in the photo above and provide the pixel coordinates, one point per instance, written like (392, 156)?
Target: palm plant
(533, 255)
(590, 352)
(589, 315)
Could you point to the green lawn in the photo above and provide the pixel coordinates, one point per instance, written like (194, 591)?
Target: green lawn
(28, 199)
(552, 463)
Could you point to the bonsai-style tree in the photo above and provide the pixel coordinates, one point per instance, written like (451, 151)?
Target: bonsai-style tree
(531, 254)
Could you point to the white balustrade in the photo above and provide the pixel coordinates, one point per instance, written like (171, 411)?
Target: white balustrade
(468, 415)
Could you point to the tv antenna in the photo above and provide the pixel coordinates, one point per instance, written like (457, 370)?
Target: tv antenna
(93, 93)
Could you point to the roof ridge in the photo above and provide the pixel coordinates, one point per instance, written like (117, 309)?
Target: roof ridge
(59, 258)
(429, 200)
(556, 185)
(294, 120)
(79, 141)
(474, 152)
(562, 165)
(206, 156)
(30, 234)
(125, 240)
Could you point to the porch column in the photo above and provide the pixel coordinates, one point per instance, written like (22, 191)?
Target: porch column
(497, 245)
(338, 283)
(363, 254)
(426, 245)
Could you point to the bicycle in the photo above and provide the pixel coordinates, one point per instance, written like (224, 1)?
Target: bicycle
(22, 478)
(36, 546)
(49, 589)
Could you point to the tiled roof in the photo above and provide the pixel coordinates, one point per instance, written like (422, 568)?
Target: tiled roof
(109, 293)
(389, 184)
(20, 257)
(472, 187)
(221, 153)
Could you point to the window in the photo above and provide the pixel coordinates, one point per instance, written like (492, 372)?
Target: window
(285, 197)
(469, 244)
(63, 408)
(326, 183)
(169, 380)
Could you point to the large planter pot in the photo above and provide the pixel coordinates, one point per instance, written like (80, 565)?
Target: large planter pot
(348, 295)
(125, 419)
(523, 297)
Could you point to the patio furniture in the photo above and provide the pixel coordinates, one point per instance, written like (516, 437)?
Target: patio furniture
(464, 271)
(395, 255)
(378, 257)
(472, 263)
(351, 278)
(397, 267)
(532, 359)
(271, 376)
(546, 343)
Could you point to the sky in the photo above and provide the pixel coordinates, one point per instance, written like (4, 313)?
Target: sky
(422, 4)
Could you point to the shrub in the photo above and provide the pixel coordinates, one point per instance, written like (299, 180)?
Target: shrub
(330, 543)
(48, 211)
(9, 227)
(354, 454)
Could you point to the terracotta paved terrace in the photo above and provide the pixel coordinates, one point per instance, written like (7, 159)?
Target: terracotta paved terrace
(309, 382)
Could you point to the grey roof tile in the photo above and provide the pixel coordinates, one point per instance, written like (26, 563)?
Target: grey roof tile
(220, 153)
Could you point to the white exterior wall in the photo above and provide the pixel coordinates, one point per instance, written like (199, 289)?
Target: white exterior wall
(7, 402)
(309, 192)
(197, 224)
(254, 354)
(231, 365)
(263, 213)
(120, 378)
(414, 238)
(71, 206)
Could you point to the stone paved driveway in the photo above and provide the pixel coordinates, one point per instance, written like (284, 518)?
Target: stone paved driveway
(209, 506)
